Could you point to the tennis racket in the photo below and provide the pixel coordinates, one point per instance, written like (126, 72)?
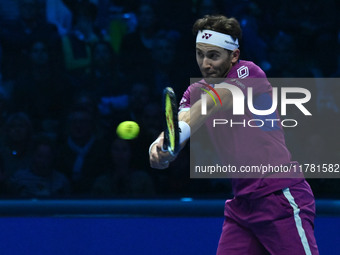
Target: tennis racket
(171, 132)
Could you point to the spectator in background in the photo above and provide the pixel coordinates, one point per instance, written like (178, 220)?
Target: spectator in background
(149, 130)
(121, 179)
(136, 47)
(4, 106)
(57, 13)
(82, 152)
(254, 46)
(9, 11)
(42, 91)
(126, 107)
(115, 109)
(205, 7)
(6, 85)
(17, 36)
(139, 96)
(151, 112)
(282, 56)
(85, 99)
(40, 179)
(16, 146)
(106, 79)
(168, 70)
(326, 102)
(78, 42)
(118, 21)
(106, 84)
(6, 88)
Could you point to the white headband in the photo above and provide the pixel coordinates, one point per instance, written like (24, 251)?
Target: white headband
(218, 39)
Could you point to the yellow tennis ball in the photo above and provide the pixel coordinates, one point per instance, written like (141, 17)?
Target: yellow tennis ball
(127, 130)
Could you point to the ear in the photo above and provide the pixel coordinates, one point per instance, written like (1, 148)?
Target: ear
(235, 56)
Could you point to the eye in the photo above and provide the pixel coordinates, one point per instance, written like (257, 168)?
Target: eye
(199, 54)
(214, 56)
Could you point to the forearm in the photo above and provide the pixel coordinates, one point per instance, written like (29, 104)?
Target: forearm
(193, 117)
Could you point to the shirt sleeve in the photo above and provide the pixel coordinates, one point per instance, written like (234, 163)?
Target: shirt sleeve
(184, 104)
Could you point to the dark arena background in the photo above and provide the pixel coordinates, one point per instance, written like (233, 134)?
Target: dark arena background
(72, 70)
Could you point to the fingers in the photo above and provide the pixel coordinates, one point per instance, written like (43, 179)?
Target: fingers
(158, 158)
(159, 165)
(156, 162)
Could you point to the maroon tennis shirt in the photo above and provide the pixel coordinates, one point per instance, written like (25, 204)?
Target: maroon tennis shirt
(261, 143)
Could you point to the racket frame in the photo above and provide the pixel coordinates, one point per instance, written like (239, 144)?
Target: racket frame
(169, 100)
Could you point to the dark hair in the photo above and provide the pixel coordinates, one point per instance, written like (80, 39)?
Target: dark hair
(219, 23)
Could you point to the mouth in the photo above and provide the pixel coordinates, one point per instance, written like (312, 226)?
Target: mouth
(209, 75)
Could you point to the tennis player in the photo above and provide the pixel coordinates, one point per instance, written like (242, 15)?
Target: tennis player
(266, 215)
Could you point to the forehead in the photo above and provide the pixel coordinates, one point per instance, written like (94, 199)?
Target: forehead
(208, 47)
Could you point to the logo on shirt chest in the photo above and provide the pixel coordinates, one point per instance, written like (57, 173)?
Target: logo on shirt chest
(243, 72)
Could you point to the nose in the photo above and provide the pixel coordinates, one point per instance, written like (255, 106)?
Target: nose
(206, 63)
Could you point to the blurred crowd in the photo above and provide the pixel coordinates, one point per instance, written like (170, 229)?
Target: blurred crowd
(72, 70)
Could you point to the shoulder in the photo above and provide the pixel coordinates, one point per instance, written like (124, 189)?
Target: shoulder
(244, 69)
(194, 85)
(191, 93)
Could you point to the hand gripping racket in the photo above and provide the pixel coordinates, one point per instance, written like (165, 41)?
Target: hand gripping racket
(171, 132)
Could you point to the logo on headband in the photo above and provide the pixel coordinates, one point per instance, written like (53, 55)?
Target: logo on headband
(232, 43)
(206, 36)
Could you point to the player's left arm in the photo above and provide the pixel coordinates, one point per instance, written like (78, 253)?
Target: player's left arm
(159, 159)
(192, 117)
(195, 119)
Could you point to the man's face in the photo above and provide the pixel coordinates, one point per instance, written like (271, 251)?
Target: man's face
(213, 61)
(146, 16)
(39, 54)
(101, 55)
